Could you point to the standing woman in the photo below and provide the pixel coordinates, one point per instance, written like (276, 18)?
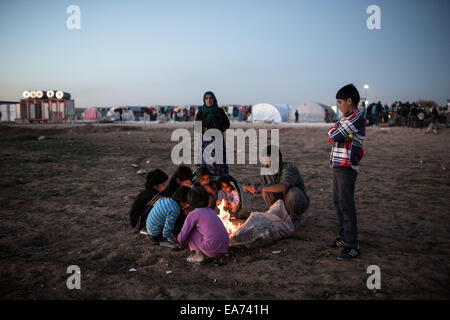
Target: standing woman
(213, 117)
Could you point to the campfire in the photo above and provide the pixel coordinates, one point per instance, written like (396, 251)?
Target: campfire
(230, 226)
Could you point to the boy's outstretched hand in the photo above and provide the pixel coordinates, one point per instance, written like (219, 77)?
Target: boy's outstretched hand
(251, 188)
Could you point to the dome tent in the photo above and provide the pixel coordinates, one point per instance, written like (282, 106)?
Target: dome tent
(310, 112)
(269, 112)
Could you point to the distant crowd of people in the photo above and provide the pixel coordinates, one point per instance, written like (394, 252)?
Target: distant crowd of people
(406, 114)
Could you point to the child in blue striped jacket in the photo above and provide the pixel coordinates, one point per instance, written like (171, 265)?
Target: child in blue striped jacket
(346, 136)
(162, 218)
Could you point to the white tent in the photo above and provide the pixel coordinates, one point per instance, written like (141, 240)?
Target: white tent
(310, 112)
(269, 112)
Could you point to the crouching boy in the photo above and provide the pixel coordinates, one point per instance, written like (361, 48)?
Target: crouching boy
(154, 186)
(162, 218)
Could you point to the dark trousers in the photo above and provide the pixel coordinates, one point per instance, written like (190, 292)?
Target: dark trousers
(344, 180)
(295, 202)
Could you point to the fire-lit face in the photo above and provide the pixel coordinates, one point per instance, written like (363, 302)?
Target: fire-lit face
(226, 187)
(204, 180)
(160, 187)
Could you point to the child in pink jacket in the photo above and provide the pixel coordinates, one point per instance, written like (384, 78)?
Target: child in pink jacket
(203, 230)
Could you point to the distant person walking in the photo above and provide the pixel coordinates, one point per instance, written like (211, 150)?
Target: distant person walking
(369, 116)
(447, 120)
(296, 116)
(434, 124)
(375, 114)
(421, 117)
(385, 113)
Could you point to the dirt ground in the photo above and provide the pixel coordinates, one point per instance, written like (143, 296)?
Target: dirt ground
(64, 201)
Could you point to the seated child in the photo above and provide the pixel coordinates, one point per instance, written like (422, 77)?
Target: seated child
(203, 230)
(229, 194)
(155, 184)
(181, 177)
(203, 178)
(162, 218)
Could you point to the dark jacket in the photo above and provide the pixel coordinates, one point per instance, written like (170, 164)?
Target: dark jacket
(140, 204)
(220, 121)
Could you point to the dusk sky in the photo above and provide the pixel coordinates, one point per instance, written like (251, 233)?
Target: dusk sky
(246, 52)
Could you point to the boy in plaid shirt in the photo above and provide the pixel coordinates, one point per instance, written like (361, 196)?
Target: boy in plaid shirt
(346, 136)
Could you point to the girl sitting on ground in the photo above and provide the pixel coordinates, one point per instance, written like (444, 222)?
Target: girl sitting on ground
(155, 184)
(228, 194)
(203, 178)
(203, 230)
(181, 177)
(162, 218)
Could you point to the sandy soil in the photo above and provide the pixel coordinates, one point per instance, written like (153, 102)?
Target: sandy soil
(64, 201)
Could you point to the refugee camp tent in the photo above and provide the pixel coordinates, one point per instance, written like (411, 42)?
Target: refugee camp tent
(91, 114)
(283, 109)
(138, 111)
(103, 112)
(266, 112)
(310, 112)
(229, 110)
(114, 113)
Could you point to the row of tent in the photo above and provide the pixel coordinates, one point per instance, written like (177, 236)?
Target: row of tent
(261, 112)
(307, 112)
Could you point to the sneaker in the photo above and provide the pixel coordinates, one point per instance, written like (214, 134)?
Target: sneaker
(143, 231)
(348, 253)
(168, 244)
(337, 243)
(191, 259)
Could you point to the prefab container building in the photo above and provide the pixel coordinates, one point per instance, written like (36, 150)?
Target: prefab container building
(44, 110)
(8, 111)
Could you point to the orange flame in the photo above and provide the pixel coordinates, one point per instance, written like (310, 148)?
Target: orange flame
(225, 217)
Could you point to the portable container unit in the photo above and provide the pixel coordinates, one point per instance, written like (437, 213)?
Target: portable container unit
(43, 110)
(8, 111)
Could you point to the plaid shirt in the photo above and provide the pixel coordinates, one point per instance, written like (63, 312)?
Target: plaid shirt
(347, 153)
